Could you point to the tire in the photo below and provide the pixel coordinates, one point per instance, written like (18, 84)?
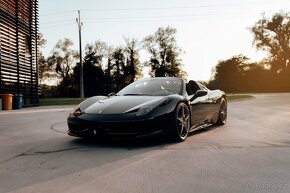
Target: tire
(181, 123)
(223, 112)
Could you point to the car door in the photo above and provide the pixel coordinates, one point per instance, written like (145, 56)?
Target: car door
(210, 105)
(198, 106)
(214, 99)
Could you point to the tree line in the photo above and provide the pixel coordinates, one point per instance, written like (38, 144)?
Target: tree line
(272, 74)
(107, 68)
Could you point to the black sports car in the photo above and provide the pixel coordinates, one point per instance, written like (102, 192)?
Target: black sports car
(149, 107)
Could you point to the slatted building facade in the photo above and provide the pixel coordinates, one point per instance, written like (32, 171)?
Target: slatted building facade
(18, 49)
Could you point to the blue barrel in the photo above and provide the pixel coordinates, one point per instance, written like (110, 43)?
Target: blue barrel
(17, 101)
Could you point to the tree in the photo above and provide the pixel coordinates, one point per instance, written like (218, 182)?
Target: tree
(273, 36)
(118, 64)
(109, 56)
(94, 78)
(123, 64)
(239, 74)
(132, 70)
(230, 74)
(108, 82)
(95, 52)
(164, 59)
(63, 60)
(44, 71)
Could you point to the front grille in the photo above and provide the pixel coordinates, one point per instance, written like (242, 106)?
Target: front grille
(121, 127)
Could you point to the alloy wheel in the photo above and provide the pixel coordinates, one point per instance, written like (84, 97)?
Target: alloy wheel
(183, 121)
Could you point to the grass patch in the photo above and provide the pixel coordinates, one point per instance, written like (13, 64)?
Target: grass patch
(233, 97)
(59, 101)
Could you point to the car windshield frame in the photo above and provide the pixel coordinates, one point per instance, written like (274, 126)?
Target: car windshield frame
(153, 87)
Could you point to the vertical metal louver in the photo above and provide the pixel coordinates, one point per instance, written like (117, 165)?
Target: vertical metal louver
(18, 49)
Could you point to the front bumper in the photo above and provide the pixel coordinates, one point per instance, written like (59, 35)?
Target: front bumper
(113, 126)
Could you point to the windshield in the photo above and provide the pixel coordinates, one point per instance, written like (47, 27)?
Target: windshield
(154, 87)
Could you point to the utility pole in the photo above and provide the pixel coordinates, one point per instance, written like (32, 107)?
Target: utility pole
(80, 24)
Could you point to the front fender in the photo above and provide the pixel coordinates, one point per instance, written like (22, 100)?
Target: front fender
(172, 102)
(88, 102)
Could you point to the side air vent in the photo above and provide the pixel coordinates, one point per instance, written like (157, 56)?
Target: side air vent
(164, 103)
(133, 111)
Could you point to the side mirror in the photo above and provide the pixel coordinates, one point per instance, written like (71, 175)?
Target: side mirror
(111, 94)
(198, 93)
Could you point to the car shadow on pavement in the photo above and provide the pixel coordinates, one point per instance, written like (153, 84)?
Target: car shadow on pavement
(128, 144)
(131, 144)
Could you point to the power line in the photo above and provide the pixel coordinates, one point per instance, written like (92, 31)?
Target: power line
(148, 17)
(58, 21)
(165, 16)
(151, 21)
(159, 8)
(177, 7)
(59, 25)
(57, 13)
(164, 20)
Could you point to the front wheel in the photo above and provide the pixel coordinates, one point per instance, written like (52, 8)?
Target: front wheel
(223, 112)
(181, 123)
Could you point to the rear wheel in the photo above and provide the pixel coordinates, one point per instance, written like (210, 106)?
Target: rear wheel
(222, 119)
(181, 123)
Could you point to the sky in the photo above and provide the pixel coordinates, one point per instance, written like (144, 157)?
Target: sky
(207, 30)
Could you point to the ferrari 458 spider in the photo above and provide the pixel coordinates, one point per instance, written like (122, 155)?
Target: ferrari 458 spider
(149, 107)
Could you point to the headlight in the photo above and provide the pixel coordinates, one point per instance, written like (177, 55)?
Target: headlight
(76, 112)
(148, 108)
(144, 111)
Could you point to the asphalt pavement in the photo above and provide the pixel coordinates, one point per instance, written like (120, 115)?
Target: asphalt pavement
(251, 153)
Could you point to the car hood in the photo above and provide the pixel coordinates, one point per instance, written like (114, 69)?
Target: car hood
(123, 104)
